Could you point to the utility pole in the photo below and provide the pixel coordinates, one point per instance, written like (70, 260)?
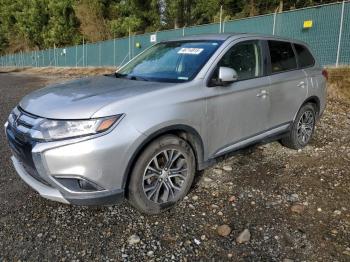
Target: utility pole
(83, 53)
(129, 43)
(220, 28)
(340, 33)
(54, 55)
(114, 58)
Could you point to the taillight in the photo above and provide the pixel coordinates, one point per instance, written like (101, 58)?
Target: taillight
(325, 73)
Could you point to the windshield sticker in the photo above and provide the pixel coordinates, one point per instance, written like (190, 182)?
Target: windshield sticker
(182, 78)
(190, 51)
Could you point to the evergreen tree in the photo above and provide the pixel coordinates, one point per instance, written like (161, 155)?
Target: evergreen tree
(38, 24)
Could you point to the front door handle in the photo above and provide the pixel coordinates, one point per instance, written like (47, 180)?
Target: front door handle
(301, 84)
(263, 93)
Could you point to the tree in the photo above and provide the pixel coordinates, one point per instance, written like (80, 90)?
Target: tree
(91, 15)
(62, 26)
(3, 41)
(37, 24)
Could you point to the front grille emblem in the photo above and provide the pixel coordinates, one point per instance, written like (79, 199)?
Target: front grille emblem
(16, 120)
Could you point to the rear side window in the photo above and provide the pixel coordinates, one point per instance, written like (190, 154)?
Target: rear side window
(305, 58)
(282, 56)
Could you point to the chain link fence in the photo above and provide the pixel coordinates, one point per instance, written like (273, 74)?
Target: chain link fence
(326, 28)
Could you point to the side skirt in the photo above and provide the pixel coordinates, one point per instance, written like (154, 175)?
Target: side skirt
(272, 135)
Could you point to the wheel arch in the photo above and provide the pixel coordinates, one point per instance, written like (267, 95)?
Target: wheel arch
(183, 131)
(314, 100)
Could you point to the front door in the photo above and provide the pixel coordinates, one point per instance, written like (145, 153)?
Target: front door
(238, 111)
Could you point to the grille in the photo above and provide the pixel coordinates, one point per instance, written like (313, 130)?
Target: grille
(20, 124)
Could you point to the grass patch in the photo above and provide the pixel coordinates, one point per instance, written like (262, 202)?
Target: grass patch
(339, 83)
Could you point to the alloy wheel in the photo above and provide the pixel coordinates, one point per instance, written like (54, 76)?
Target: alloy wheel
(305, 127)
(165, 175)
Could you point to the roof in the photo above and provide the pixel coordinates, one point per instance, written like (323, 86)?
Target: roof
(226, 36)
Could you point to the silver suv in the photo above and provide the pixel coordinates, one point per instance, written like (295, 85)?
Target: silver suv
(178, 107)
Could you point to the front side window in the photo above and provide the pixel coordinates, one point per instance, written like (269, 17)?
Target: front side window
(282, 56)
(178, 61)
(305, 58)
(245, 58)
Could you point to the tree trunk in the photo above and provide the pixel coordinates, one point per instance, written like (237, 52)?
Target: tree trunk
(252, 9)
(280, 8)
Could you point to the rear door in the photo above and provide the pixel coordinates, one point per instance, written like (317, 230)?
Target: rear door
(316, 81)
(289, 84)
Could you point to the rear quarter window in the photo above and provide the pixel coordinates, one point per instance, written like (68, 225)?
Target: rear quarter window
(282, 56)
(305, 58)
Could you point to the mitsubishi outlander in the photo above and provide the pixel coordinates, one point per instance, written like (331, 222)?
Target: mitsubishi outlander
(177, 108)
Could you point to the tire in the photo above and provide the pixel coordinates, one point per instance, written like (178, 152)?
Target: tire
(153, 189)
(302, 128)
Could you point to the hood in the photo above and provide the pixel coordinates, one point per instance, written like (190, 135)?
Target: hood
(80, 99)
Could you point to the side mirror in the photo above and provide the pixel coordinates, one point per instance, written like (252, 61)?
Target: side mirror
(227, 75)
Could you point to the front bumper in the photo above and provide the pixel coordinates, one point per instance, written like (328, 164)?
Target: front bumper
(100, 198)
(48, 191)
(44, 190)
(101, 160)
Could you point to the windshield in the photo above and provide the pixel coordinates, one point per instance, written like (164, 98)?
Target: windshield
(170, 61)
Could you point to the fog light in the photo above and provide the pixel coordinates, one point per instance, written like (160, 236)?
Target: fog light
(87, 185)
(78, 184)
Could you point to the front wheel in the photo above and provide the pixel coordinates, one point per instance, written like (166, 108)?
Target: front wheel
(162, 175)
(302, 128)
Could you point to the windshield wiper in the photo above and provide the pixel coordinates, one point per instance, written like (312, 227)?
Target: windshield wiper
(131, 77)
(138, 78)
(119, 75)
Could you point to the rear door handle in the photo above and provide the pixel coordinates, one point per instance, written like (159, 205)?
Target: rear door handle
(262, 93)
(301, 84)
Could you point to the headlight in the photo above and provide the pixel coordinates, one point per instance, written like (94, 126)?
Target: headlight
(60, 129)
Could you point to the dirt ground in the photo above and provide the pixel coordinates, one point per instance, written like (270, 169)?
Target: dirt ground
(295, 205)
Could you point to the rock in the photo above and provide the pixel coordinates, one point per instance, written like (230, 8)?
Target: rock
(288, 260)
(319, 209)
(150, 253)
(197, 241)
(208, 180)
(134, 239)
(191, 206)
(293, 198)
(220, 213)
(187, 242)
(337, 212)
(297, 208)
(217, 171)
(273, 203)
(213, 206)
(227, 168)
(203, 237)
(232, 199)
(195, 198)
(243, 237)
(40, 235)
(224, 230)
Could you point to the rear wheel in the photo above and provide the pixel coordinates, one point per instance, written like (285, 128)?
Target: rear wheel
(162, 175)
(302, 128)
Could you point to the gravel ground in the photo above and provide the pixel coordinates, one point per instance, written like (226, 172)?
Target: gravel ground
(266, 204)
